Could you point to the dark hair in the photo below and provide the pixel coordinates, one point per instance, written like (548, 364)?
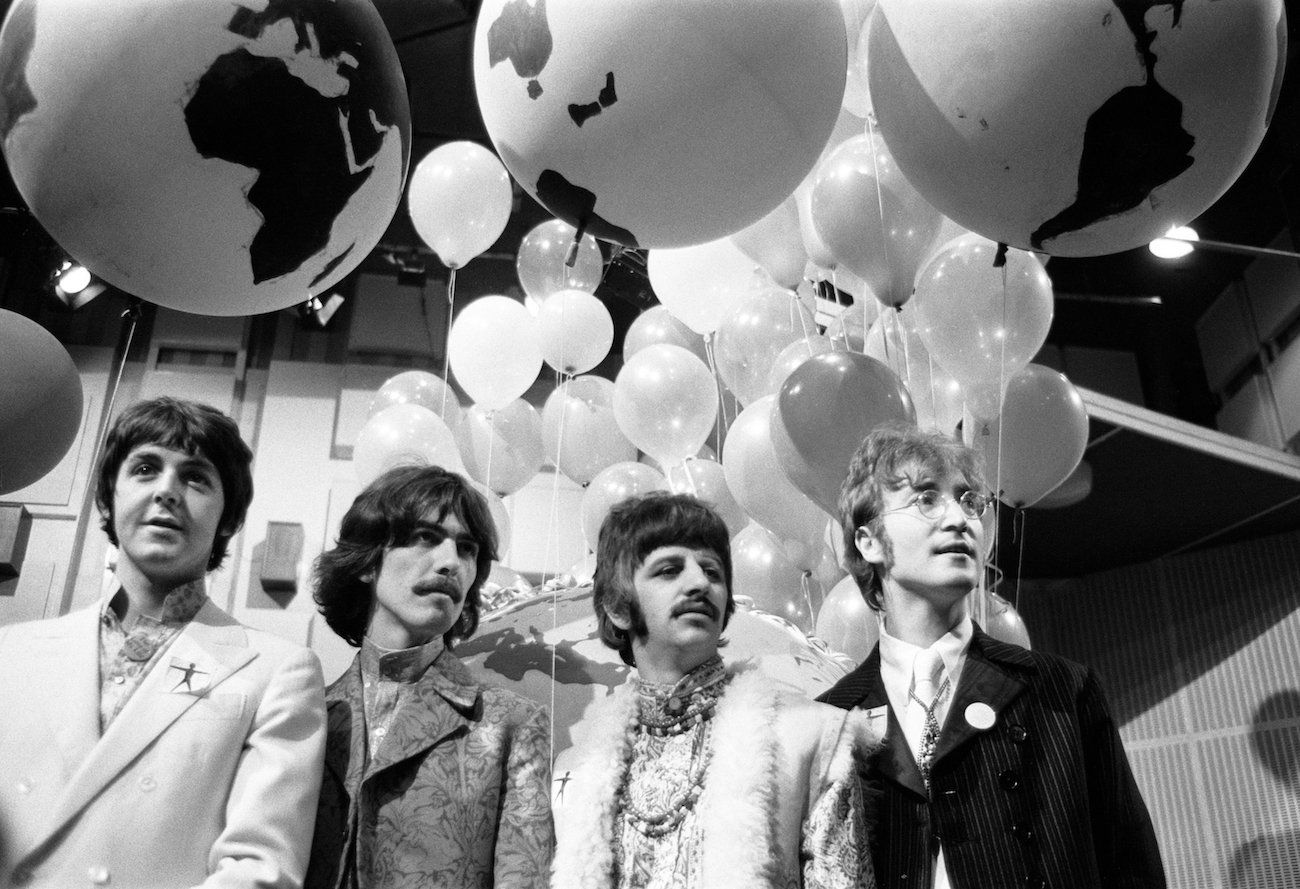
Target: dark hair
(386, 512)
(884, 460)
(635, 528)
(195, 429)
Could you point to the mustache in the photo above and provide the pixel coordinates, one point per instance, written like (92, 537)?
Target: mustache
(441, 585)
(695, 606)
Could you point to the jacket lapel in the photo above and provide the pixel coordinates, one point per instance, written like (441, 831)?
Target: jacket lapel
(345, 751)
(67, 689)
(988, 677)
(865, 690)
(209, 649)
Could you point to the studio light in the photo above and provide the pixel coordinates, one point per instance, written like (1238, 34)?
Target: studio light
(1178, 242)
(74, 285)
(316, 313)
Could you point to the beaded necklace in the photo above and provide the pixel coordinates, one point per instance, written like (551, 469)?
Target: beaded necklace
(663, 712)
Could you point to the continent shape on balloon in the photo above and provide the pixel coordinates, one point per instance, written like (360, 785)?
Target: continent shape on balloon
(659, 123)
(1077, 128)
(235, 168)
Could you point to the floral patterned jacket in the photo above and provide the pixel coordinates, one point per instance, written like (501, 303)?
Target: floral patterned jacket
(458, 796)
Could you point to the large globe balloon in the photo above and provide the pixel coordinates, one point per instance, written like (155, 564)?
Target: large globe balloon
(1076, 127)
(547, 648)
(660, 123)
(40, 401)
(215, 158)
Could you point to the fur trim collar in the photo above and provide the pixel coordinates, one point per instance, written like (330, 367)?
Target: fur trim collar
(737, 808)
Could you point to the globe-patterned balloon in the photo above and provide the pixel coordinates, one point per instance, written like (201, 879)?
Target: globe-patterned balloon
(1075, 127)
(554, 633)
(217, 158)
(659, 123)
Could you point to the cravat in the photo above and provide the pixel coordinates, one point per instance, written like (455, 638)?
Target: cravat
(927, 668)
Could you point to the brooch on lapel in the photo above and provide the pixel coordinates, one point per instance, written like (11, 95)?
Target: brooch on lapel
(191, 680)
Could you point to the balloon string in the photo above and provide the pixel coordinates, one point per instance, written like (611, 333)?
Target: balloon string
(1018, 525)
(690, 477)
(492, 440)
(1002, 376)
(880, 203)
(552, 554)
(906, 357)
(132, 314)
(805, 584)
(722, 421)
(802, 317)
(446, 346)
(552, 538)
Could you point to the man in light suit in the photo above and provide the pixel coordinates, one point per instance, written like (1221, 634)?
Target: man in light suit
(152, 740)
(1001, 766)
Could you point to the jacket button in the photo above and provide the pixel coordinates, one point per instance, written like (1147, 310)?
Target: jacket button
(24, 786)
(1018, 733)
(147, 784)
(1035, 883)
(98, 874)
(1009, 780)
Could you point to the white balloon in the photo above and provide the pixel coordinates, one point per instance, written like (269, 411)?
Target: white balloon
(493, 350)
(700, 284)
(404, 434)
(574, 331)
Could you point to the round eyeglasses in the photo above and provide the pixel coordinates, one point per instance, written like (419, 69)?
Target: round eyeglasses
(932, 504)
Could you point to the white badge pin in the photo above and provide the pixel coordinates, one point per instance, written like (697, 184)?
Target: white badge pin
(981, 716)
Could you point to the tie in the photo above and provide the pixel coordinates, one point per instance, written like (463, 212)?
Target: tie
(926, 692)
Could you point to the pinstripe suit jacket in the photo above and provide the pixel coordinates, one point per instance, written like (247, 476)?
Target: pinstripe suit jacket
(1044, 798)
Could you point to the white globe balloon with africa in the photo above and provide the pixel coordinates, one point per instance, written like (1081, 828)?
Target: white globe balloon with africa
(217, 158)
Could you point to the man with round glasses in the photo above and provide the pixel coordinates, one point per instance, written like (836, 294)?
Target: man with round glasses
(1000, 766)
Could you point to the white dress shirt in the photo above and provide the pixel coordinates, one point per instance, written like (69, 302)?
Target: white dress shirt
(896, 657)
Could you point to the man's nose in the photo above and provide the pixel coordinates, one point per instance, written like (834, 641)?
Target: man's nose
(694, 576)
(953, 514)
(445, 557)
(167, 488)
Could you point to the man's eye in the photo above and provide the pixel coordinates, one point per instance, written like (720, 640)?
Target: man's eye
(468, 548)
(142, 469)
(422, 537)
(928, 498)
(199, 478)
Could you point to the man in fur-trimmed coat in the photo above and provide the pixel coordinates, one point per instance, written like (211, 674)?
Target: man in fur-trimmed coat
(696, 774)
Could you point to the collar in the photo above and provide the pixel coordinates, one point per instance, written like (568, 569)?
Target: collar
(179, 606)
(405, 665)
(896, 656)
(669, 708)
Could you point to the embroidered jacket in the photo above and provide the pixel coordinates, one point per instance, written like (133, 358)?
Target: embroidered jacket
(781, 805)
(455, 797)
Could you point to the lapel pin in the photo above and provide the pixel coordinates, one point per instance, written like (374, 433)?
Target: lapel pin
(981, 716)
(191, 678)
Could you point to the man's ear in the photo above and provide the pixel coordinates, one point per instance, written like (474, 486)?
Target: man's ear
(622, 621)
(870, 546)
